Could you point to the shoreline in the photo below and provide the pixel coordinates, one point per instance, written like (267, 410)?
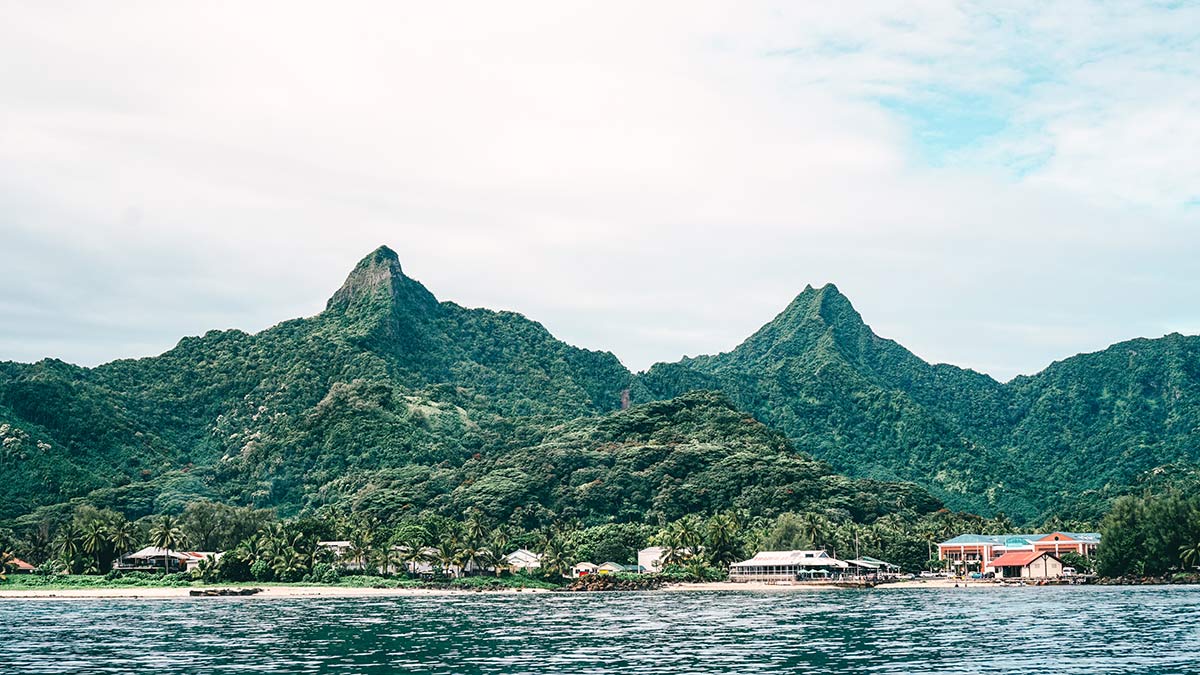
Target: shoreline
(177, 592)
(316, 591)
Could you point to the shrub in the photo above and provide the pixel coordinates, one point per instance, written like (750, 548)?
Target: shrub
(261, 571)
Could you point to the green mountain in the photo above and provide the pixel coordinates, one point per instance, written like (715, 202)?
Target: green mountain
(385, 374)
(1094, 422)
(391, 401)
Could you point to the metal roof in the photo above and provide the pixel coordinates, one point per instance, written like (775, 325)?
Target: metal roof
(1018, 539)
(817, 558)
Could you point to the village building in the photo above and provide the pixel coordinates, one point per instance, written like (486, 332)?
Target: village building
(1028, 565)
(650, 559)
(610, 568)
(583, 569)
(872, 568)
(977, 552)
(524, 559)
(19, 566)
(788, 566)
(152, 559)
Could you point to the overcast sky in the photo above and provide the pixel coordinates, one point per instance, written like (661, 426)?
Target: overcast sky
(991, 189)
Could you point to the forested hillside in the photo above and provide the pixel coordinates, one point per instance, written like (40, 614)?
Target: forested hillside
(1086, 428)
(390, 400)
(385, 374)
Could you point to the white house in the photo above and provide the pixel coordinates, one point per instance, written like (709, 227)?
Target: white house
(524, 559)
(650, 559)
(152, 558)
(583, 569)
(610, 568)
(787, 566)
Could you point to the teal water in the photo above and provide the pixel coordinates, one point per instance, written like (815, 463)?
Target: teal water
(1036, 630)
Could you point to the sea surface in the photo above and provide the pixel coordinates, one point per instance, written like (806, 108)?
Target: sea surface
(1036, 630)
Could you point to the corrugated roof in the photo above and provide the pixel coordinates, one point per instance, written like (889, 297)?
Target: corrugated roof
(1018, 558)
(817, 558)
(1017, 539)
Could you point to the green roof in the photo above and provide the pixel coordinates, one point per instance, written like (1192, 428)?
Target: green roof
(1011, 540)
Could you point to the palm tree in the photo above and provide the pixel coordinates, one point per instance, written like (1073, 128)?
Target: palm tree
(95, 540)
(475, 531)
(6, 564)
(722, 545)
(1190, 554)
(447, 554)
(70, 546)
(554, 559)
(816, 528)
(166, 534)
(501, 539)
(121, 536)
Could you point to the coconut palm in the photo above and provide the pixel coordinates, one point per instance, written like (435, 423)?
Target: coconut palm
(475, 531)
(554, 559)
(447, 554)
(491, 558)
(721, 544)
(167, 535)
(816, 527)
(70, 547)
(1190, 554)
(95, 540)
(121, 536)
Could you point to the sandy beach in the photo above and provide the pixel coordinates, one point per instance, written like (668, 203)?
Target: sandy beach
(267, 592)
(356, 592)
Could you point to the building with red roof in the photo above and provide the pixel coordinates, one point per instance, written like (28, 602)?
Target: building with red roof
(1027, 565)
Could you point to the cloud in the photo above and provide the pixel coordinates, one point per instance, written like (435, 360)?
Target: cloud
(653, 180)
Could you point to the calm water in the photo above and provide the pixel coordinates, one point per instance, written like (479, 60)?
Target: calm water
(1067, 630)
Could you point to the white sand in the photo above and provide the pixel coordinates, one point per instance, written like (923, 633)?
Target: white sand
(267, 592)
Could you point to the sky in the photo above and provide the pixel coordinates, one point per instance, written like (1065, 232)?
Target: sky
(992, 188)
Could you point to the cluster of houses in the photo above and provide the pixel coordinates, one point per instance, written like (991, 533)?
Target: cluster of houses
(1007, 556)
(1017, 556)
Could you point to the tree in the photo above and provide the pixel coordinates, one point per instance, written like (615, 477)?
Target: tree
(70, 547)
(721, 543)
(167, 535)
(554, 559)
(1190, 554)
(7, 563)
(122, 536)
(95, 540)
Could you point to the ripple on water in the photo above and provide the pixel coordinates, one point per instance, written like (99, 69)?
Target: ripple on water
(1071, 630)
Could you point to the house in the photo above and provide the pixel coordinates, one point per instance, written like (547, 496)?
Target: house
(976, 552)
(583, 569)
(524, 559)
(610, 568)
(1028, 565)
(867, 566)
(19, 566)
(787, 566)
(152, 559)
(650, 559)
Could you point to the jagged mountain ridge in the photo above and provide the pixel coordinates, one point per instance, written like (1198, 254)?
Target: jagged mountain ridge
(390, 377)
(870, 407)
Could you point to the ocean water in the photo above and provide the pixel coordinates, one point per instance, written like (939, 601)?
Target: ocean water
(1029, 630)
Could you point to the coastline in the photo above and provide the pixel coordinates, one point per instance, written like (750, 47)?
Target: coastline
(300, 591)
(176, 592)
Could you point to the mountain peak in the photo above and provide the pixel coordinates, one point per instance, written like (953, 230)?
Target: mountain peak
(378, 285)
